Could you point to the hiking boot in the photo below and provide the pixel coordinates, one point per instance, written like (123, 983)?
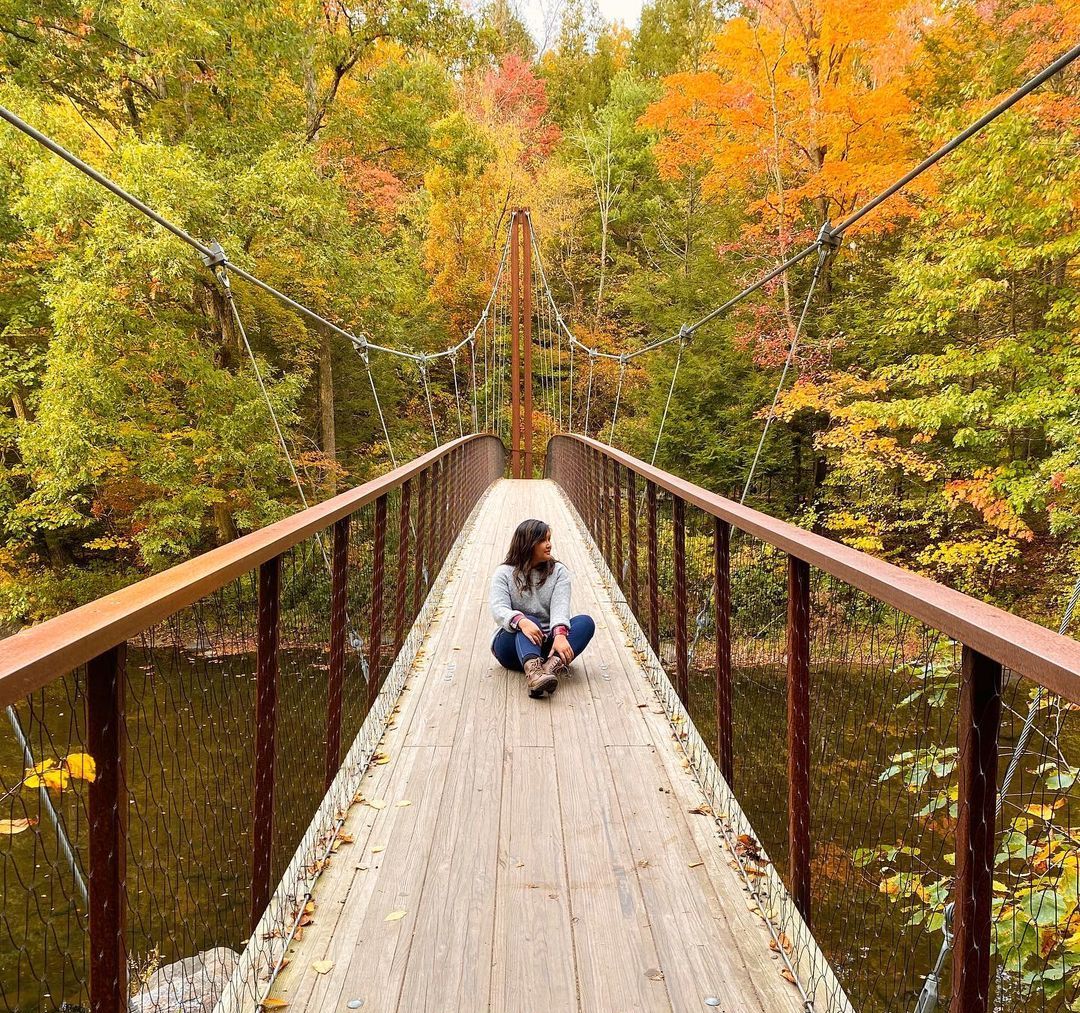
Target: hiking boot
(555, 666)
(537, 680)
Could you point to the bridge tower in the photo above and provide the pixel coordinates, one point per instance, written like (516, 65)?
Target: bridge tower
(521, 309)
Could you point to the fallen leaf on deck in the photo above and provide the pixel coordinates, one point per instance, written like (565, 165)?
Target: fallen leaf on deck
(380, 758)
(404, 802)
(274, 1004)
(377, 803)
(787, 975)
(305, 920)
(654, 974)
(378, 847)
(346, 838)
(700, 810)
(395, 916)
(695, 865)
(9, 828)
(322, 966)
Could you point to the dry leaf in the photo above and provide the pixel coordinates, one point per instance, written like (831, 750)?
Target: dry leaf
(322, 966)
(346, 838)
(695, 865)
(274, 1004)
(654, 974)
(700, 810)
(378, 847)
(9, 828)
(81, 766)
(395, 916)
(377, 803)
(305, 920)
(309, 907)
(404, 802)
(787, 975)
(380, 758)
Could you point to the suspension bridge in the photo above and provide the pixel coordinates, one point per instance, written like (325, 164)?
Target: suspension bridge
(787, 775)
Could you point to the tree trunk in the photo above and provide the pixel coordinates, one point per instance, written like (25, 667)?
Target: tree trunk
(224, 520)
(326, 408)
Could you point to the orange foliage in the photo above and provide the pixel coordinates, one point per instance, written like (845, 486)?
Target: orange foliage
(799, 111)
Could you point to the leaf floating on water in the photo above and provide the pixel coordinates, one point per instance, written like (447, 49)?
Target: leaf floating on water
(322, 966)
(395, 916)
(81, 766)
(9, 828)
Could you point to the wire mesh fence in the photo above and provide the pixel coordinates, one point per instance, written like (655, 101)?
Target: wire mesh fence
(897, 793)
(165, 807)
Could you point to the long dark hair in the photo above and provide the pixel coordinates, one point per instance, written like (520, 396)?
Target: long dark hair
(520, 554)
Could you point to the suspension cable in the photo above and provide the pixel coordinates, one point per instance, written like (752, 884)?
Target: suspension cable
(457, 396)
(667, 404)
(378, 408)
(588, 396)
(427, 396)
(618, 397)
(783, 375)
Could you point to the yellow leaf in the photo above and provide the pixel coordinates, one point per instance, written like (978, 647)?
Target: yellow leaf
(395, 916)
(9, 828)
(380, 758)
(404, 802)
(274, 1003)
(40, 768)
(378, 847)
(322, 966)
(377, 803)
(81, 766)
(55, 778)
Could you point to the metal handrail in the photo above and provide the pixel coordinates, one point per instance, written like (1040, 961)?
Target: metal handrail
(1038, 653)
(41, 654)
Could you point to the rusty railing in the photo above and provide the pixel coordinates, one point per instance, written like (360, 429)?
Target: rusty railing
(201, 694)
(862, 718)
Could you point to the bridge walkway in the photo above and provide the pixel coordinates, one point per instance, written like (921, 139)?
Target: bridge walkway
(518, 855)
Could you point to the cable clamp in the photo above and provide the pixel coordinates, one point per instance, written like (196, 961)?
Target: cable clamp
(685, 333)
(215, 257)
(827, 239)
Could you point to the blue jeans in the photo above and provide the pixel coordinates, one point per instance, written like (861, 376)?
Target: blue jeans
(512, 650)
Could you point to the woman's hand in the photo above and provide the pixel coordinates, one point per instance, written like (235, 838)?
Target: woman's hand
(561, 646)
(531, 630)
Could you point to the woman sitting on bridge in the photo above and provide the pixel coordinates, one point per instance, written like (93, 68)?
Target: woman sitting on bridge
(530, 600)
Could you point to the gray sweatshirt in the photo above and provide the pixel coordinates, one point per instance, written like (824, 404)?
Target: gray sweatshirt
(549, 603)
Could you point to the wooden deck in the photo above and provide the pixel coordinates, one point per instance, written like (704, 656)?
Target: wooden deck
(527, 855)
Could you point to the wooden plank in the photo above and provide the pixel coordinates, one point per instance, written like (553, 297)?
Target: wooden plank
(449, 963)
(613, 942)
(368, 952)
(693, 940)
(533, 946)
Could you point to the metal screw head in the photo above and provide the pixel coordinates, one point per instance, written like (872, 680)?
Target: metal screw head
(355, 1003)
(711, 1000)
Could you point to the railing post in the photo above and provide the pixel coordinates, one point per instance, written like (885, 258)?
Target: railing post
(605, 500)
(339, 575)
(421, 520)
(433, 520)
(798, 732)
(725, 756)
(654, 576)
(618, 568)
(378, 573)
(402, 565)
(515, 349)
(632, 519)
(682, 667)
(526, 340)
(266, 680)
(978, 722)
(107, 816)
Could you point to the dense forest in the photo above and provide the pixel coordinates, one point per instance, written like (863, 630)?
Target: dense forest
(365, 157)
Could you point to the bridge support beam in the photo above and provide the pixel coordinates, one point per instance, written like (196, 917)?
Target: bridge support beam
(107, 812)
(798, 732)
(978, 723)
(515, 348)
(266, 679)
(526, 338)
